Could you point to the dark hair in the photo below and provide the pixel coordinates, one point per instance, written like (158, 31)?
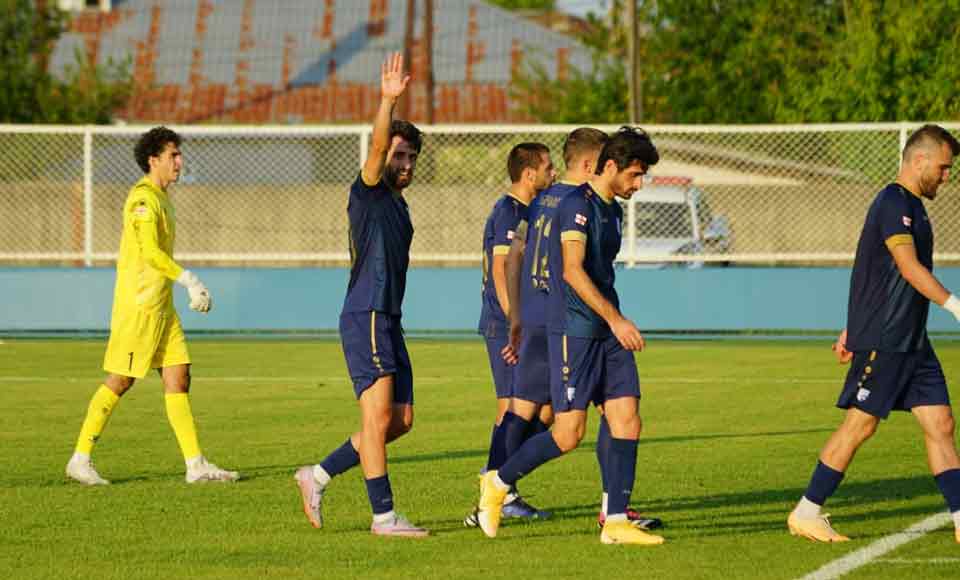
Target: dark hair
(931, 134)
(152, 144)
(525, 156)
(581, 142)
(408, 132)
(626, 147)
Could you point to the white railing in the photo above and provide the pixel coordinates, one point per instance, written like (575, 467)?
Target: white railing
(277, 194)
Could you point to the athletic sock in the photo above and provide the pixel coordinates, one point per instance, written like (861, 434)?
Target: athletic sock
(603, 451)
(499, 447)
(823, 483)
(99, 410)
(806, 509)
(380, 494)
(536, 427)
(621, 474)
(341, 459)
(184, 427)
(515, 434)
(532, 454)
(495, 441)
(949, 484)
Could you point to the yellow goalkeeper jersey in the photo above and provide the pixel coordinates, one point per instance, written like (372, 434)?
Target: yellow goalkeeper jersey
(145, 267)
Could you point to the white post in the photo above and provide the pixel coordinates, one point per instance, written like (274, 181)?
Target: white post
(87, 197)
(903, 143)
(631, 227)
(364, 146)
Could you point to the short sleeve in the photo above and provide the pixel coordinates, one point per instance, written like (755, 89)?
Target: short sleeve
(573, 217)
(895, 220)
(505, 227)
(360, 191)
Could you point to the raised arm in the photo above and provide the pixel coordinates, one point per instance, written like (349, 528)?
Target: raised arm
(393, 82)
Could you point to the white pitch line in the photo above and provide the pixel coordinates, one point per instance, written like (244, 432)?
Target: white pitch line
(884, 545)
(918, 561)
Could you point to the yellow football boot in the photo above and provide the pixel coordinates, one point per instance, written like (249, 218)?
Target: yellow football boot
(817, 529)
(491, 502)
(624, 532)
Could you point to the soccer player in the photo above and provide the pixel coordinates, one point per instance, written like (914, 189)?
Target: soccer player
(145, 330)
(370, 329)
(894, 366)
(528, 288)
(590, 343)
(531, 171)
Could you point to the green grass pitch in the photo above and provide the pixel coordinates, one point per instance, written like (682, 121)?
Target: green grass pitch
(732, 430)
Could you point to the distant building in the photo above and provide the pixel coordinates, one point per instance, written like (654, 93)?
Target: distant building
(309, 61)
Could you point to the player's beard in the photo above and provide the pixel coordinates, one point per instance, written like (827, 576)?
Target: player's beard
(395, 180)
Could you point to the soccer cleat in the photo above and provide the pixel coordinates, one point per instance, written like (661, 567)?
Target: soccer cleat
(398, 526)
(312, 495)
(517, 507)
(81, 469)
(624, 532)
(491, 504)
(639, 520)
(817, 529)
(201, 470)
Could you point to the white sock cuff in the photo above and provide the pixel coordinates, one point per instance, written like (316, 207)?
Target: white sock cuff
(320, 475)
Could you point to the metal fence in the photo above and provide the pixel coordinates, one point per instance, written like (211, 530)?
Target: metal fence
(277, 195)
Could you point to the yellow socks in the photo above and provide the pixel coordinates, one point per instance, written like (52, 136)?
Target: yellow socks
(181, 419)
(101, 406)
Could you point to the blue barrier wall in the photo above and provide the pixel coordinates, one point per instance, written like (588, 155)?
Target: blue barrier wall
(448, 299)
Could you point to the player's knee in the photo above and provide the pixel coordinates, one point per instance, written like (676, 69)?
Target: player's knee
(943, 428)
(378, 420)
(567, 439)
(864, 430)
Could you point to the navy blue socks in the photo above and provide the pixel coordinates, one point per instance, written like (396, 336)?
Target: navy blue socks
(343, 458)
(532, 454)
(621, 471)
(824, 482)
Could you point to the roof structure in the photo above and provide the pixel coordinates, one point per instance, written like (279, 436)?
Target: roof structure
(291, 61)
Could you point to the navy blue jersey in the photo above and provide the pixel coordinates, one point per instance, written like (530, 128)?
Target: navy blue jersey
(380, 236)
(584, 215)
(498, 234)
(535, 272)
(885, 312)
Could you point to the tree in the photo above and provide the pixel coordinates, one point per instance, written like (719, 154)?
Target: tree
(526, 4)
(87, 93)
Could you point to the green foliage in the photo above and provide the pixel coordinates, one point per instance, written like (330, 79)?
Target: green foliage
(525, 4)
(774, 61)
(87, 93)
(598, 95)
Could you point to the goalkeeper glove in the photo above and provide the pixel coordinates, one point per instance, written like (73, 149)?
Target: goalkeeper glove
(199, 295)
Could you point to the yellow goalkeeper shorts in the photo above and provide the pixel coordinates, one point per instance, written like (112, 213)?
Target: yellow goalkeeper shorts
(143, 341)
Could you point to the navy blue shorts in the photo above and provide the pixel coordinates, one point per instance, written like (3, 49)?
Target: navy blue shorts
(531, 379)
(374, 347)
(880, 382)
(502, 372)
(590, 370)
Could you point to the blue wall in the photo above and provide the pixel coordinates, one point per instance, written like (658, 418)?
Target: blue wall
(38, 299)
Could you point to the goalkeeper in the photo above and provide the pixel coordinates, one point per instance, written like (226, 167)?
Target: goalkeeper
(145, 331)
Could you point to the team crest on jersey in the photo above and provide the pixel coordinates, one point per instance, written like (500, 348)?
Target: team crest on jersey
(140, 211)
(863, 394)
(907, 221)
(580, 219)
(510, 234)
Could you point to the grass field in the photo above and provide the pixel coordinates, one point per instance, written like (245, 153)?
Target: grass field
(732, 430)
